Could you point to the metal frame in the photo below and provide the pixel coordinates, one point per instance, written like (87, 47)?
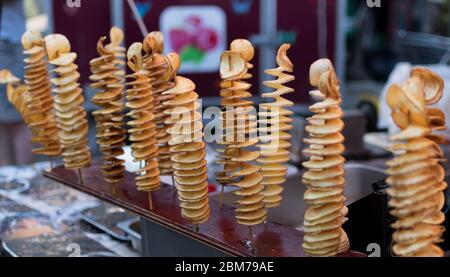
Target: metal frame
(427, 41)
(48, 9)
(116, 10)
(156, 236)
(341, 43)
(267, 39)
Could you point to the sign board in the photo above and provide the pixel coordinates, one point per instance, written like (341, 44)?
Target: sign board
(197, 33)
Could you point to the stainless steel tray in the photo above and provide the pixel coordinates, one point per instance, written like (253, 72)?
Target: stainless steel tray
(8, 251)
(72, 244)
(132, 228)
(106, 218)
(16, 185)
(9, 207)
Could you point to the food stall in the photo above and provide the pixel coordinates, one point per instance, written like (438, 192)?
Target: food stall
(221, 129)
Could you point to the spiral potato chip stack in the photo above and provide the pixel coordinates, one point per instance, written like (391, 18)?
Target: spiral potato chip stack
(40, 104)
(240, 127)
(68, 103)
(416, 177)
(143, 130)
(158, 66)
(116, 37)
(111, 134)
(17, 94)
(324, 179)
(188, 150)
(275, 124)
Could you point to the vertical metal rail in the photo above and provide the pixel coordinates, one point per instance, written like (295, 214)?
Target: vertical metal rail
(160, 241)
(322, 26)
(267, 38)
(48, 8)
(341, 44)
(138, 17)
(117, 13)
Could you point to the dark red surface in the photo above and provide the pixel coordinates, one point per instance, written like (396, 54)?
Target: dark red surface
(293, 16)
(83, 27)
(238, 26)
(301, 18)
(221, 231)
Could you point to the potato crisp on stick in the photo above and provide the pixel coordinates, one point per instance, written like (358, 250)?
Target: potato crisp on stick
(416, 178)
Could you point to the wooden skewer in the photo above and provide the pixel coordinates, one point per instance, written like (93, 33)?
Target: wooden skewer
(250, 238)
(251, 235)
(174, 196)
(222, 190)
(150, 201)
(250, 231)
(114, 189)
(80, 176)
(51, 163)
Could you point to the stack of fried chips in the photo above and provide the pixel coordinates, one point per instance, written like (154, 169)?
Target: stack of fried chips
(111, 134)
(324, 179)
(116, 37)
(17, 95)
(188, 150)
(143, 130)
(44, 129)
(275, 124)
(68, 103)
(240, 133)
(416, 177)
(160, 79)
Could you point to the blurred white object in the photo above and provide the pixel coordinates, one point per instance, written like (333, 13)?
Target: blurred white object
(298, 133)
(399, 75)
(132, 166)
(380, 140)
(38, 23)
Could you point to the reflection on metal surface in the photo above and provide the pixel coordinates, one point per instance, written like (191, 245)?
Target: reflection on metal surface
(106, 217)
(16, 186)
(132, 229)
(359, 180)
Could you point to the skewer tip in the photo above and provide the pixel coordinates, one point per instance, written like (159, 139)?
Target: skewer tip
(114, 189)
(150, 201)
(221, 196)
(80, 176)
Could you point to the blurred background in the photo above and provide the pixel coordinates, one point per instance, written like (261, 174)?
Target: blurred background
(368, 45)
(372, 44)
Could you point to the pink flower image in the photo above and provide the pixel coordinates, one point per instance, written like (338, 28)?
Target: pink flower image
(179, 39)
(193, 40)
(206, 39)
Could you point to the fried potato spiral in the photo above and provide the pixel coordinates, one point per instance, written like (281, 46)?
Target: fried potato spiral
(68, 103)
(108, 77)
(324, 179)
(416, 178)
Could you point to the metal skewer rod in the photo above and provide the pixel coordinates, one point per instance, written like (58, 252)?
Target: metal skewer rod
(138, 18)
(250, 238)
(250, 232)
